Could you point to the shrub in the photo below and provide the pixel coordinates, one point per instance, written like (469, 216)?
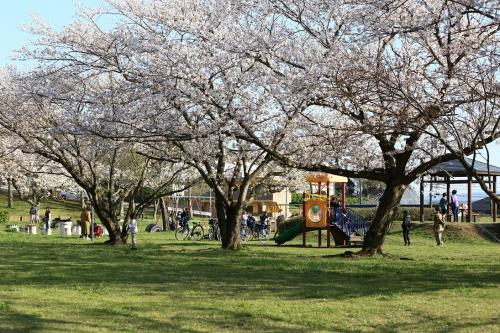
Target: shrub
(4, 217)
(369, 213)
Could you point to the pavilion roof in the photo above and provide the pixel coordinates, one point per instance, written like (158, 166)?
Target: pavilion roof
(456, 169)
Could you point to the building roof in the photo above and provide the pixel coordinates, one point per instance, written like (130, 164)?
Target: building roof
(325, 177)
(455, 168)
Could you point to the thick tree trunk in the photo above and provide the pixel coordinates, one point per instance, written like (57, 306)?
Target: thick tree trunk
(10, 195)
(121, 210)
(164, 214)
(229, 225)
(384, 216)
(110, 223)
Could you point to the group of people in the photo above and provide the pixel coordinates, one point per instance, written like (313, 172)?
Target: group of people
(439, 218)
(453, 204)
(437, 226)
(34, 216)
(247, 220)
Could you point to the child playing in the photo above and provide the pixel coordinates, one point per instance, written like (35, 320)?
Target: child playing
(406, 227)
(438, 226)
(132, 228)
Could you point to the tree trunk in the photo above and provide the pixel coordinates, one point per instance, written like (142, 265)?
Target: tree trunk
(229, 225)
(115, 236)
(10, 195)
(190, 207)
(164, 214)
(384, 216)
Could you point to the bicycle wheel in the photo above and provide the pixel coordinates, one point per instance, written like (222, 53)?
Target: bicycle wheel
(211, 233)
(244, 235)
(181, 233)
(198, 232)
(264, 235)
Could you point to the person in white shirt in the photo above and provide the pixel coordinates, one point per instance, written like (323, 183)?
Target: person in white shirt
(132, 228)
(244, 219)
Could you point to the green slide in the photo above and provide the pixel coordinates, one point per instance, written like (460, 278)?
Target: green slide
(288, 234)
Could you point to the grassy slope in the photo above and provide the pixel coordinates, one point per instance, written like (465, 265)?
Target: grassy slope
(63, 209)
(51, 284)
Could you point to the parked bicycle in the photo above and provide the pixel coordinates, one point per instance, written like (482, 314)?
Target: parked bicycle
(183, 232)
(246, 234)
(261, 232)
(258, 231)
(213, 229)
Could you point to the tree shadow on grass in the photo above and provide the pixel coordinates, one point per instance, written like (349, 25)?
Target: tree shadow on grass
(286, 275)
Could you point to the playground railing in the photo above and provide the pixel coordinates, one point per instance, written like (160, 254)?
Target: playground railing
(350, 222)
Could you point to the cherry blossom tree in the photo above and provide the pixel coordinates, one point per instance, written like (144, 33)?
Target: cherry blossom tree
(42, 110)
(351, 88)
(381, 81)
(177, 104)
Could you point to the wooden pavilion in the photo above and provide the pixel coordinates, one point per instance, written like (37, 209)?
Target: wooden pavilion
(453, 172)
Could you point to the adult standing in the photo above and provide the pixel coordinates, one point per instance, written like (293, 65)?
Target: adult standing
(48, 218)
(443, 204)
(454, 203)
(33, 214)
(185, 218)
(244, 219)
(85, 219)
(406, 225)
(438, 226)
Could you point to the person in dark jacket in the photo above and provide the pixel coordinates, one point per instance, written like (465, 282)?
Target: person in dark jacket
(406, 227)
(185, 218)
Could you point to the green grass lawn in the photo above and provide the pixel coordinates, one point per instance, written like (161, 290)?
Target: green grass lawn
(54, 284)
(61, 208)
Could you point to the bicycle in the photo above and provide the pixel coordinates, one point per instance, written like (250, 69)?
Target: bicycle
(260, 230)
(246, 234)
(213, 230)
(196, 232)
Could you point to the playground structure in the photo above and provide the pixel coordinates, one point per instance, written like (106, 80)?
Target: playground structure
(319, 214)
(316, 213)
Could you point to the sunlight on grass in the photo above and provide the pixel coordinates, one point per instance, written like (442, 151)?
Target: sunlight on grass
(55, 284)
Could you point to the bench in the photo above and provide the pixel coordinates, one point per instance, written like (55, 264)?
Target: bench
(474, 215)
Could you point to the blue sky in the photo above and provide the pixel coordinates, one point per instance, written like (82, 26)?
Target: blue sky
(15, 13)
(58, 13)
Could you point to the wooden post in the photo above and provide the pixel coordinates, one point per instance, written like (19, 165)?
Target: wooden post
(421, 198)
(319, 188)
(304, 220)
(431, 187)
(493, 203)
(448, 193)
(469, 199)
(164, 214)
(319, 238)
(156, 209)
